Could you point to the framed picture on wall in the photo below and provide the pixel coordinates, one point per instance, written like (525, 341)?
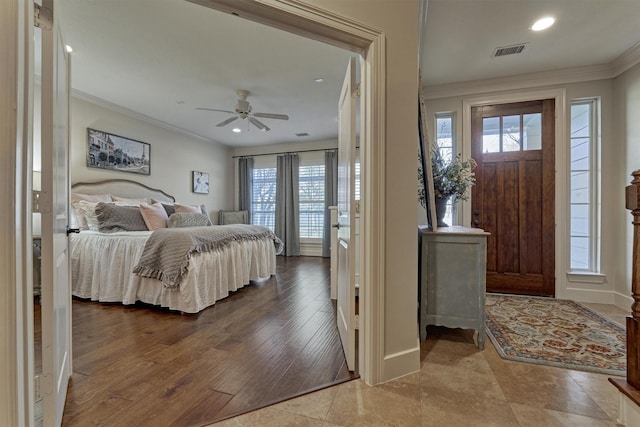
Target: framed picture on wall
(200, 182)
(113, 152)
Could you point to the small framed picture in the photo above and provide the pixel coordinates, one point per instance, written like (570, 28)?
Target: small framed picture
(200, 182)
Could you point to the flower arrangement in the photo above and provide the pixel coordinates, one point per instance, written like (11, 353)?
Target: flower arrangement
(452, 179)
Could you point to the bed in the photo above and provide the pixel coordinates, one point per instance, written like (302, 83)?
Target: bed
(103, 264)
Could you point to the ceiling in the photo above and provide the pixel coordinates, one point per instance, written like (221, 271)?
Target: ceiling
(164, 58)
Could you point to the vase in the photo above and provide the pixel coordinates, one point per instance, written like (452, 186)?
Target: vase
(441, 210)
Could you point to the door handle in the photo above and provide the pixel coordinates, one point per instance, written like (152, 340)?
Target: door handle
(476, 222)
(476, 212)
(72, 230)
(336, 226)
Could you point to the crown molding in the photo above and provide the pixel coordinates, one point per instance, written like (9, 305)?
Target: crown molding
(138, 116)
(521, 81)
(628, 59)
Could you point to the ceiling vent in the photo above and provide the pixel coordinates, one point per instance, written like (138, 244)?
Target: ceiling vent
(302, 134)
(509, 50)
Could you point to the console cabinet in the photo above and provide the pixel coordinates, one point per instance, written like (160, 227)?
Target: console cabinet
(452, 279)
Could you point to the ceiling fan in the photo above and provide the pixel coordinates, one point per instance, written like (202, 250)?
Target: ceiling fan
(243, 111)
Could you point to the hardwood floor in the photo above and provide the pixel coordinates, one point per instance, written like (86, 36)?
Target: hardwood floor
(265, 343)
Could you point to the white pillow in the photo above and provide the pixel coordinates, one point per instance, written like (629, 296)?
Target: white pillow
(88, 211)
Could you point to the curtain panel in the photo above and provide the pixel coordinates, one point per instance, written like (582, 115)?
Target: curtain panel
(245, 180)
(288, 203)
(330, 197)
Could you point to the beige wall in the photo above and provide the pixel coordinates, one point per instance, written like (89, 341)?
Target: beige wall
(627, 123)
(173, 156)
(399, 20)
(612, 156)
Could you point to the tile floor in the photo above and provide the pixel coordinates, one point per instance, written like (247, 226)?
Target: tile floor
(458, 385)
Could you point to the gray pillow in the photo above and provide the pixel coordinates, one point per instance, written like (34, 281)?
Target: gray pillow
(112, 218)
(171, 210)
(187, 219)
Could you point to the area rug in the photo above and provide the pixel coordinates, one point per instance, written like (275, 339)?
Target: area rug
(555, 332)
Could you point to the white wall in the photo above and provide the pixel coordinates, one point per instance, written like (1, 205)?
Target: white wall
(627, 123)
(605, 289)
(173, 156)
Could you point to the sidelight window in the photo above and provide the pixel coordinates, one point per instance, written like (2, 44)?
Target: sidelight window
(584, 186)
(446, 143)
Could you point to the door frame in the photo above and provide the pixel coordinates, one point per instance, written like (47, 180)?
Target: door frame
(16, 301)
(561, 175)
(16, 393)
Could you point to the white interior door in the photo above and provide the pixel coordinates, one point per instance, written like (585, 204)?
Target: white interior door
(54, 207)
(346, 302)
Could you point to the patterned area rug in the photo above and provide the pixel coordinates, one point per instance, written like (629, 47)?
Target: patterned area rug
(555, 332)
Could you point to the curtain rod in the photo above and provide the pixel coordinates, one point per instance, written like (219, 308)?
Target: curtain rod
(284, 152)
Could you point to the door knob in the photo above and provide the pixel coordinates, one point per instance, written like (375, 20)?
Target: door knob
(476, 212)
(476, 222)
(336, 226)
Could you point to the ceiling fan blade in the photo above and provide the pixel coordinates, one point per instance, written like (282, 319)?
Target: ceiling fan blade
(271, 116)
(215, 109)
(257, 123)
(226, 122)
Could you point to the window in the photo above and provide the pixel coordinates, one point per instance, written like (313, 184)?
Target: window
(445, 141)
(583, 186)
(311, 191)
(263, 197)
(311, 201)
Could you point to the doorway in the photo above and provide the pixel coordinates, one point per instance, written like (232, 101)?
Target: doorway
(514, 195)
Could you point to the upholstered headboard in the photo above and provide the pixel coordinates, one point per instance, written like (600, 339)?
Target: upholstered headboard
(122, 188)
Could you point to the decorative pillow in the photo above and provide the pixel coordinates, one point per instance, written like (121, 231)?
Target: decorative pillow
(179, 207)
(87, 210)
(95, 198)
(187, 219)
(124, 201)
(154, 215)
(112, 218)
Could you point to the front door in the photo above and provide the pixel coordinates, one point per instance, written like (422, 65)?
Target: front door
(346, 298)
(54, 208)
(514, 195)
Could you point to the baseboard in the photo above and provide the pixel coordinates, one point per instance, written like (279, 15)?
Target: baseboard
(399, 364)
(589, 295)
(623, 301)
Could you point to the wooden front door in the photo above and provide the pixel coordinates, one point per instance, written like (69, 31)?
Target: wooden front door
(514, 195)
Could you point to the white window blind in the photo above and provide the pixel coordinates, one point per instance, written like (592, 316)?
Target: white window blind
(263, 203)
(311, 201)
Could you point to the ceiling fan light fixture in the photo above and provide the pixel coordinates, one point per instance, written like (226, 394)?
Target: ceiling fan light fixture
(319, 80)
(236, 130)
(543, 23)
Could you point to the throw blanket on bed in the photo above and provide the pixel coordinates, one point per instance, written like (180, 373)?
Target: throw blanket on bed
(167, 252)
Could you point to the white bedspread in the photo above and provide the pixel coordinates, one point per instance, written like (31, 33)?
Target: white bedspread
(102, 266)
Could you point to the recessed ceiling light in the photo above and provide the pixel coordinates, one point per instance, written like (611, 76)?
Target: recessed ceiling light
(68, 48)
(319, 80)
(236, 130)
(543, 23)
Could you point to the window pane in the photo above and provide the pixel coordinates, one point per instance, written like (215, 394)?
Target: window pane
(580, 253)
(580, 187)
(580, 225)
(491, 135)
(263, 203)
(580, 119)
(511, 133)
(311, 191)
(580, 154)
(532, 132)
